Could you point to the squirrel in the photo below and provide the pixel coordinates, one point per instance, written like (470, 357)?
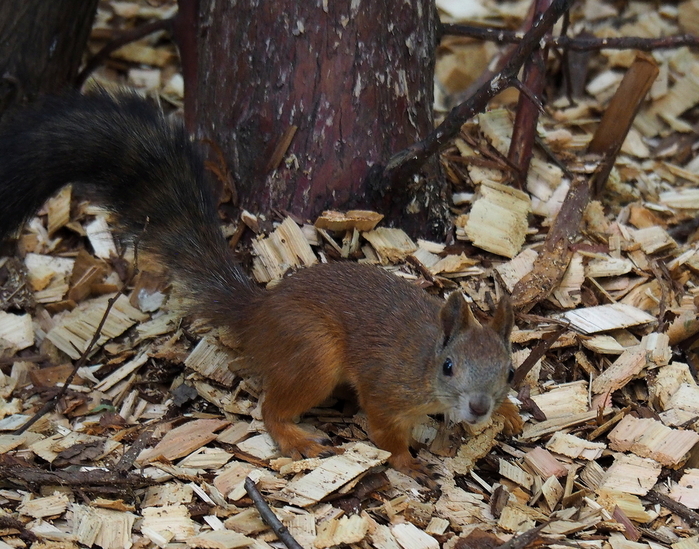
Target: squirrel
(405, 353)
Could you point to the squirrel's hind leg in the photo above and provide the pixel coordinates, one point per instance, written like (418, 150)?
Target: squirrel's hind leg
(288, 393)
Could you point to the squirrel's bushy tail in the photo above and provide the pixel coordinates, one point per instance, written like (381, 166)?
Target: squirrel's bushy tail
(134, 162)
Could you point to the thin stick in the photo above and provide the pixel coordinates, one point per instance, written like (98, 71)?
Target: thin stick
(528, 107)
(124, 38)
(269, 517)
(692, 517)
(578, 43)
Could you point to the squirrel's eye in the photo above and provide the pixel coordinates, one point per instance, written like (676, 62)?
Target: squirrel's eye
(510, 375)
(448, 367)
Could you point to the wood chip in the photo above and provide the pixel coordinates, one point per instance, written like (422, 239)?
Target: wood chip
(650, 438)
(361, 220)
(606, 266)
(220, 539)
(544, 463)
(212, 361)
(685, 491)
(629, 364)
(512, 272)
(42, 269)
(344, 530)
(497, 222)
(16, 331)
(261, 446)
(606, 317)
(603, 344)
(630, 504)
(122, 372)
(101, 239)
(50, 506)
(552, 492)
(206, 458)
(391, 245)
(515, 474)
(410, 536)
(75, 330)
(686, 398)
(102, 527)
(286, 248)
(631, 474)
(653, 239)
(183, 440)
(58, 208)
(170, 493)
(171, 522)
(536, 431)
(333, 473)
(575, 447)
(564, 400)
(452, 264)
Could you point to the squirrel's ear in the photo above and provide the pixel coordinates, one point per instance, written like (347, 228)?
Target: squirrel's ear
(504, 318)
(456, 315)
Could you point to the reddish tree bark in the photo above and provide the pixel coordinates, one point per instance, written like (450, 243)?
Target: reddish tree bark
(42, 45)
(344, 84)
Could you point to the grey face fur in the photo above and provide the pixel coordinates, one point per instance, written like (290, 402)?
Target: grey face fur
(475, 362)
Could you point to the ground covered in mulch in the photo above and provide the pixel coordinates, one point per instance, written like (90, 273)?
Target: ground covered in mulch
(153, 440)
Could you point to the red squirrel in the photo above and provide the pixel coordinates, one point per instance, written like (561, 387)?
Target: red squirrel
(404, 352)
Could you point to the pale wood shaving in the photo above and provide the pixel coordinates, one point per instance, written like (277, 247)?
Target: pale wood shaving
(333, 473)
(286, 248)
(391, 245)
(575, 447)
(498, 219)
(345, 221)
(219, 539)
(631, 474)
(101, 239)
(73, 331)
(212, 361)
(183, 440)
(16, 331)
(685, 491)
(606, 317)
(172, 522)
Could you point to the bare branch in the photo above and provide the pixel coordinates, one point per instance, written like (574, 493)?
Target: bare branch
(269, 517)
(502, 36)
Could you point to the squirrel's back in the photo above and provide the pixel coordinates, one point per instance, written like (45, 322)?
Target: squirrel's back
(128, 157)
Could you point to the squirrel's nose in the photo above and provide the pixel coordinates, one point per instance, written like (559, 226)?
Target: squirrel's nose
(479, 405)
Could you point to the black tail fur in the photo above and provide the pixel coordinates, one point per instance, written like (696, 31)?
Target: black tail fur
(125, 155)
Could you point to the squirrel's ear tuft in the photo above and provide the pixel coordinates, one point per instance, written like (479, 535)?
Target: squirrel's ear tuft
(504, 318)
(456, 315)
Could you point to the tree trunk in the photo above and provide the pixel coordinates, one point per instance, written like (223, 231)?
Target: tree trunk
(42, 45)
(307, 99)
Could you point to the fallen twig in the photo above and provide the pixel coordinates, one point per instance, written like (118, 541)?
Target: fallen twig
(528, 108)
(576, 43)
(676, 507)
(269, 517)
(124, 38)
(129, 457)
(552, 262)
(98, 478)
(525, 539)
(537, 352)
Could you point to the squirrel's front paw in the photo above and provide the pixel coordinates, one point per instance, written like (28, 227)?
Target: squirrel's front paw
(415, 469)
